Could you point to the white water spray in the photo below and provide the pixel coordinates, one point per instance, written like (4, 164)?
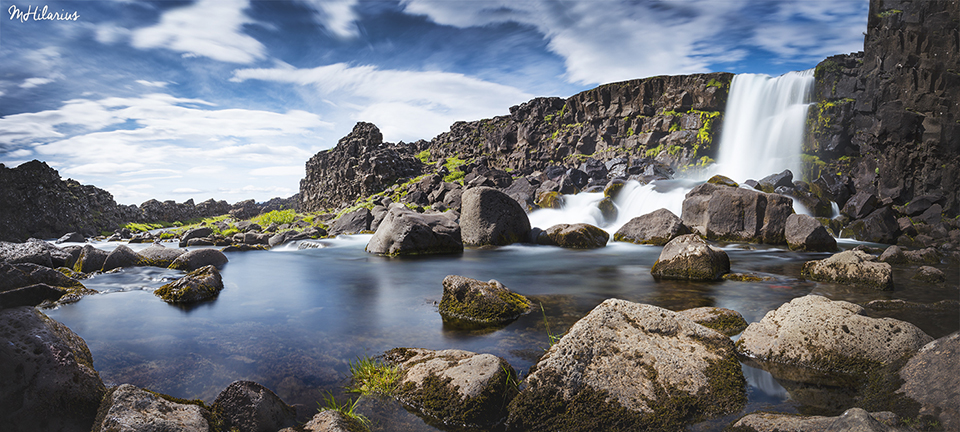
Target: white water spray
(764, 125)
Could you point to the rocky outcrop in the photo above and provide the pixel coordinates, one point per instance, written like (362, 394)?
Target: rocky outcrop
(199, 285)
(573, 236)
(406, 232)
(127, 408)
(835, 336)
(852, 267)
(726, 213)
(853, 419)
(471, 302)
(629, 366)
(929, 379)
(49, 382)
(250, 407)
(655, 228)
(491, 217)
(457, 387)
(690, 257)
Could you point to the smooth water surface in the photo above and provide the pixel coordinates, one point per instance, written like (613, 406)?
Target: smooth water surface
(292, 319)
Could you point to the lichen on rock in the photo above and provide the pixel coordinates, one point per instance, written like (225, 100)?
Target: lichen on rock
(201, 284)
(470, 302)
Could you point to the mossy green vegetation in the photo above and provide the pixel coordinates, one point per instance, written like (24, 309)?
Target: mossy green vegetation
(278, 217)
(889, 13)
(369, 376)
(357, 422)
(424, 156)
(453, 164)
(476, 306)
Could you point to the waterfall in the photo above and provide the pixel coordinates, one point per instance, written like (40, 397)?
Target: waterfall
(764, 124)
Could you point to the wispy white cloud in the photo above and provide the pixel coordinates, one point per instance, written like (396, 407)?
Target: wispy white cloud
(155, 84)
(337, 16)
(208, 28)
(34, 82)
(404, 104)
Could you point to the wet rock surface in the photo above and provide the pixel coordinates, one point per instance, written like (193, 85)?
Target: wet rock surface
(691, 257)
(805, 233)
(655, 228)
(470, 302)
(574, 236)
(491, 217)
(251, 407)
(852, 267)
(725, 213)
(198, 258)
(199, 285)
(406, 232)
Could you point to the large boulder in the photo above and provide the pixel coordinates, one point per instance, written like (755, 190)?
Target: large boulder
(201, 284)
(122, 256)
(156, 255)
(851, 267)
(49, 382)
(806, 233)
(852, 420)
(726, 213)
(630, 366)
(473, 302)
(406, 232)
(199, 258)
(91, 259)
(355, 222)
(773, 181)
(814, 332)
(250, 407)
(491, 217)
(33, 251)
(198, 232)
(656, 228)
(127, 408)
(931, 378)
(574, 236)
(457, 387)
(690, 257)
(880, 226)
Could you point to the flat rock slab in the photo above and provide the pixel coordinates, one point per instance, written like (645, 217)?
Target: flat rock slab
(818, 333)
(454, 386)
(631, 366)
(852, 267)
(127, 408)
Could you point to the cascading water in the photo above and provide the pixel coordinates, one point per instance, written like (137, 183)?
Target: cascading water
(762, 135)
(764, 125)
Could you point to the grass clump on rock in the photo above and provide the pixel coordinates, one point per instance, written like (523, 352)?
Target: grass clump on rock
(369, 375)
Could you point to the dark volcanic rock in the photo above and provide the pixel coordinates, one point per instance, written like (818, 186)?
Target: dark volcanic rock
(199, 258)
(574, 236)
(491, 217)
(406, 232)
(357, 221)
(736, 214)
(91, 259)
(656, 228)
(470, 301)
(157, 255)
(251, 407)
(48, 378)
(121, 256)
(201, 284)
(690, 257)
(805, 233)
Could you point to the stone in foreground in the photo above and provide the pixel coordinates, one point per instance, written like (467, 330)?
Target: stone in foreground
(127, 408)
(852, 267)
(854, 419)
(629, 366)
(457, 387)
(406, 232)
(814, 332)
(690, 257)
(574, 236)
(48, 381)
(199, 285)
(655, 228)
(473, 302)
(249, 406)
(329, 421)
(491, 217)
(931, 378)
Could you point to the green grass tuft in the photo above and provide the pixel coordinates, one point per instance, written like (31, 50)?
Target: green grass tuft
(372, 376)
(278, 217)
(348, 409)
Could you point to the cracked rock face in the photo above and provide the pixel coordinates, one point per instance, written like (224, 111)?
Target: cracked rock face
(834, 336)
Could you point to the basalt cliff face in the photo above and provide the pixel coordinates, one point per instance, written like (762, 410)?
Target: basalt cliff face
(887, 120)
(674, 119)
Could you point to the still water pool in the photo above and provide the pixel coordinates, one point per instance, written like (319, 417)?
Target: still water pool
(293, 319)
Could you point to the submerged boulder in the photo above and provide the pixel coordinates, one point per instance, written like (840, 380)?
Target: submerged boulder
(931, 378)
(491, 217)
(457, 387)
(726, 213)
(929, 274)
(406, 232)
(833, 336)
(630, 366)
(851, 267)
(249, 406)
(656, 228)
(198, 258)
(805, 233)
(470, 301)
(690, 257)
(574, 236)
(127, 408)
(199, 285)
(49, 382)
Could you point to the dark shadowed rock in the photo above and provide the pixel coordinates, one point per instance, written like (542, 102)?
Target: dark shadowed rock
(656, 228)
(629, 366)
(197, 258)
(121, 256)
(880, 226)
(930, 378)
(457, 387)
(491, 217)
(49, 383)
(843, 340)
(852, 267)
(852, 420)
(772, 182)
(893, 255)
(574, 236)
(406, 232)
(198, 285)
(91, 259)
(127, 408)
(805, 233)
(470, 301)
(860, 205)
(354, 222)
(195, 233)
(736, 214)
(73, 237)
(31, 295)
(930, 275)
(251, 407)
(690, 257)
(157, 255)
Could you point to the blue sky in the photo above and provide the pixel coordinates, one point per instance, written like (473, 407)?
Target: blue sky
(227, 99)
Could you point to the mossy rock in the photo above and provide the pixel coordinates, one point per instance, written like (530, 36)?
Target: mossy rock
(550, 200)
(574, 236)
(613, 188)
(723, 181)
(201, 284)
(472, 303)
(608, 209)
(726, 321)
(746, 277)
